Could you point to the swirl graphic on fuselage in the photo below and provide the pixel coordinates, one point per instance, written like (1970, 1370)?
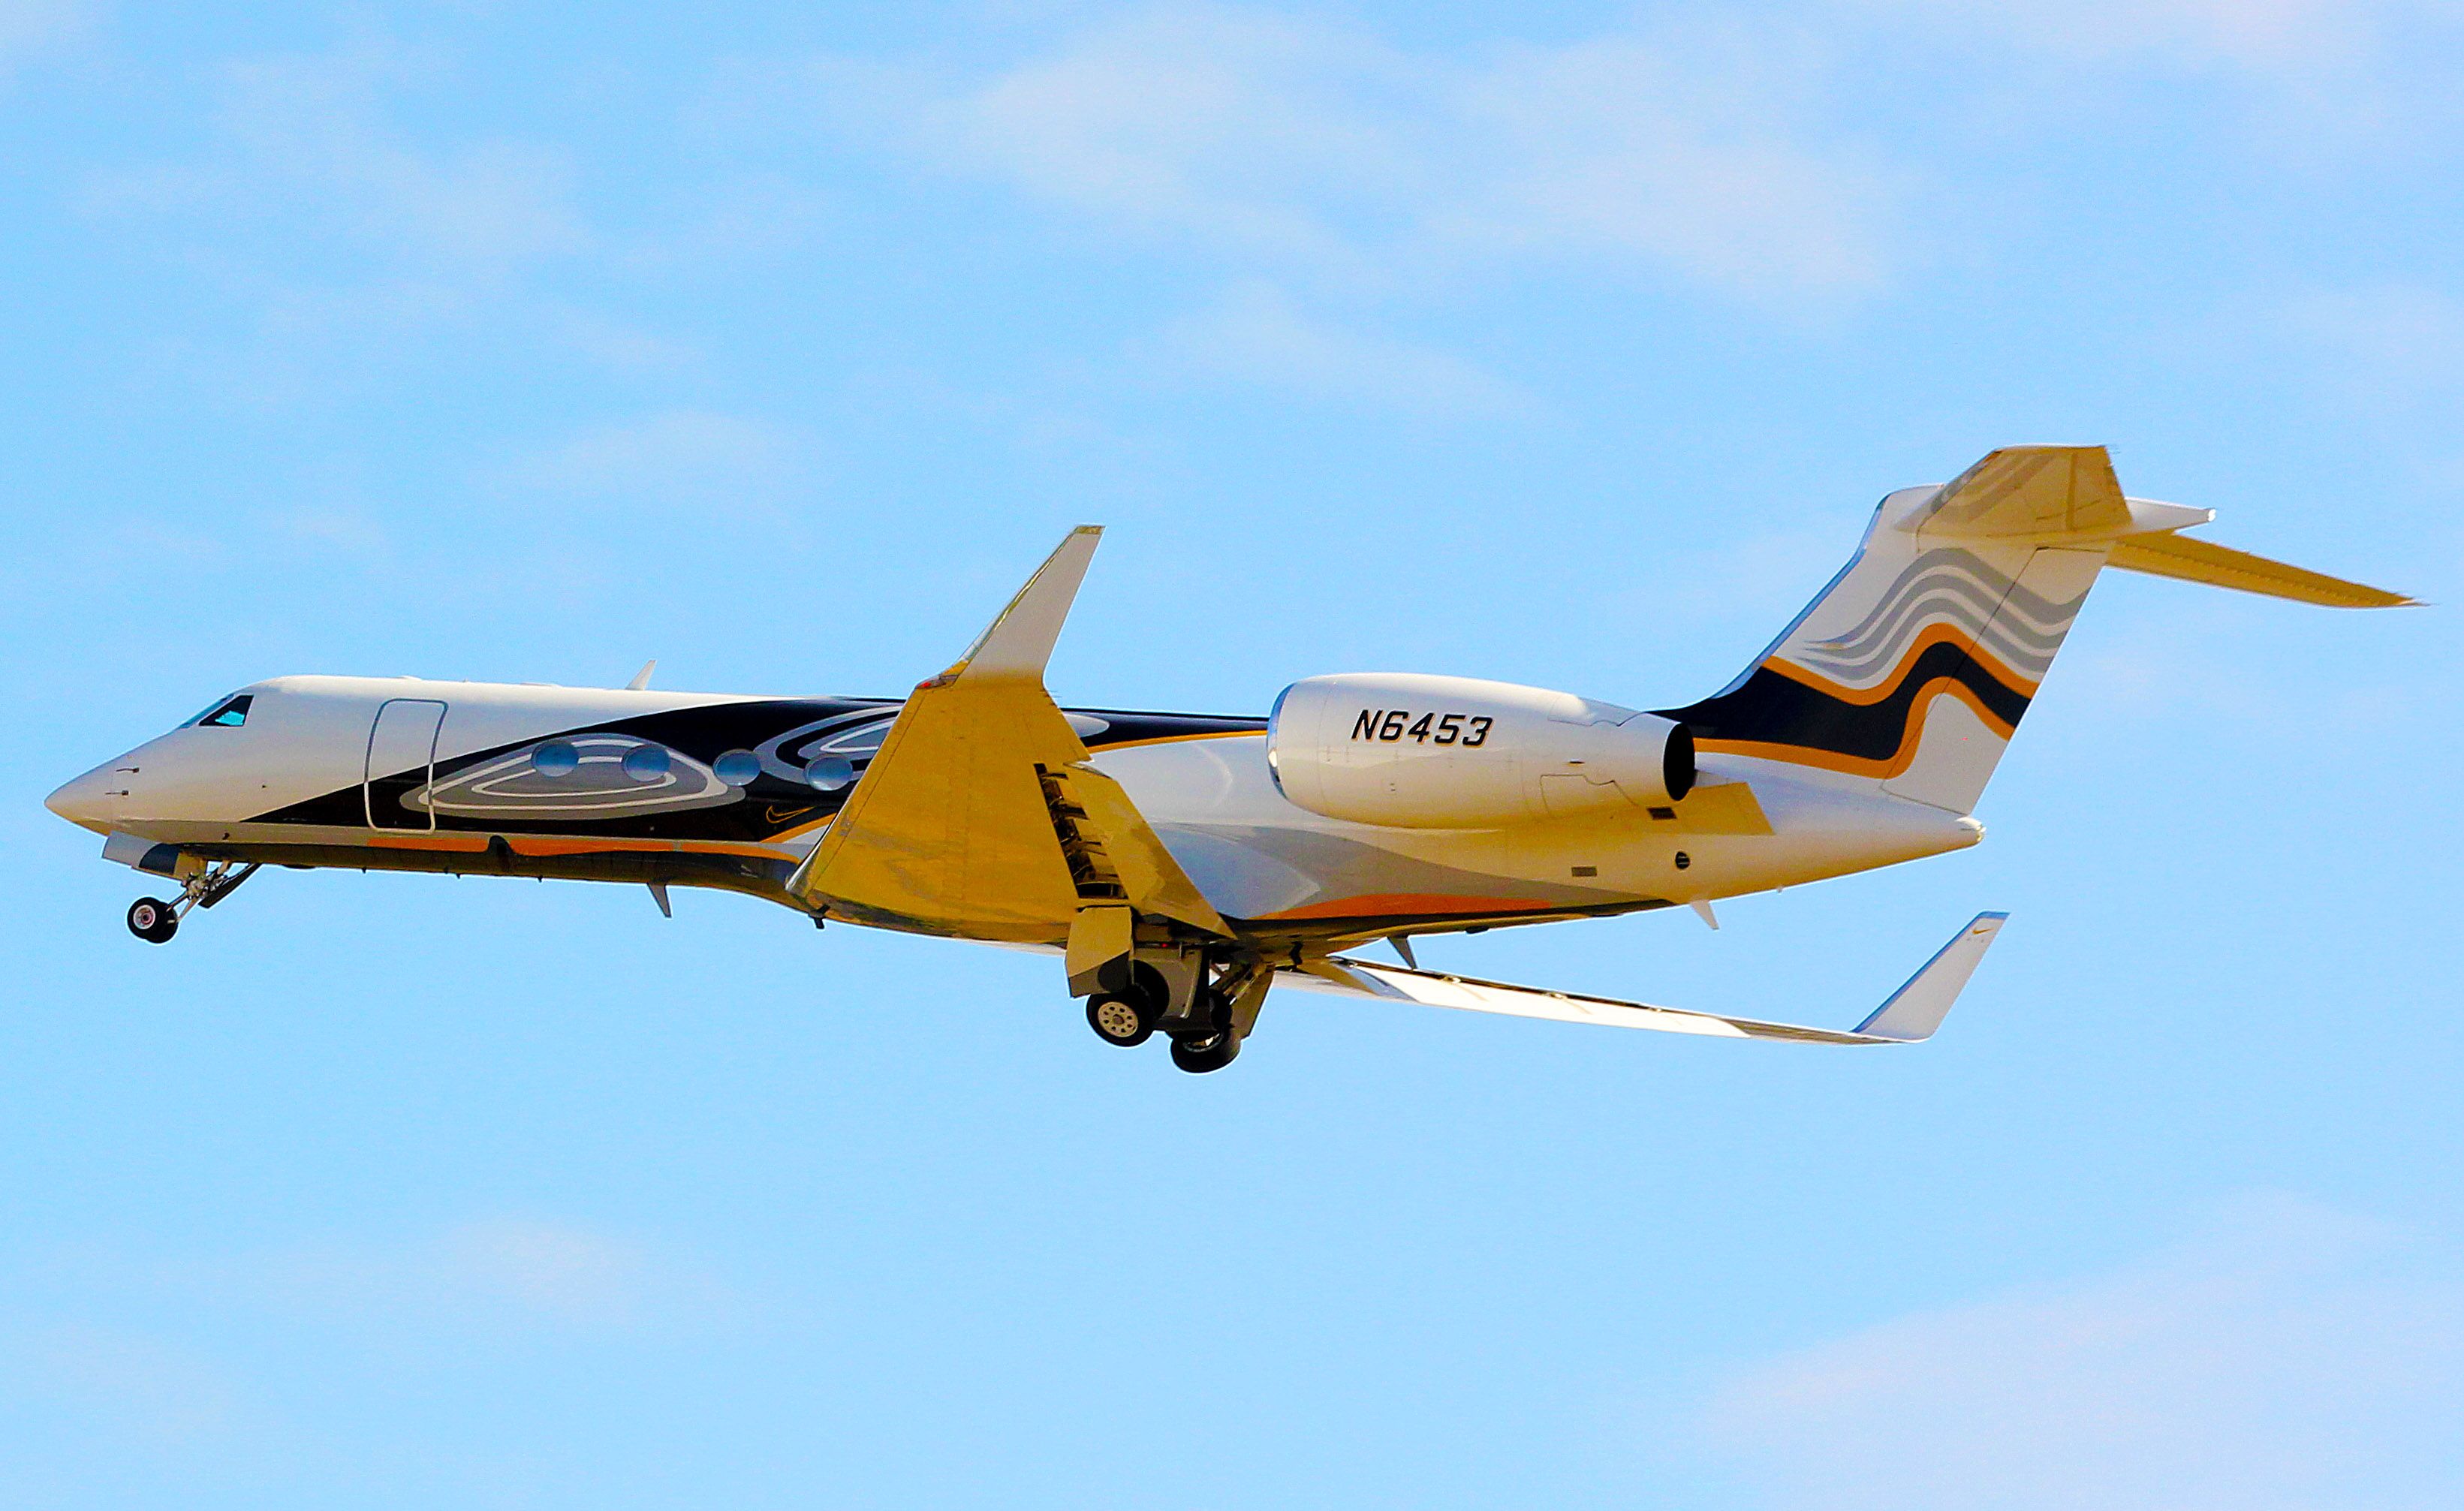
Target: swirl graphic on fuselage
(856, 738)
(599, 786)
(853, 738)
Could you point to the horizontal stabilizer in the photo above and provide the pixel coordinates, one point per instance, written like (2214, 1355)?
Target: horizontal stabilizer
(1913, 1012)
(2169, 554)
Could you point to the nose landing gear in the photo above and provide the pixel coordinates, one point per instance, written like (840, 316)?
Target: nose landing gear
(155, 921)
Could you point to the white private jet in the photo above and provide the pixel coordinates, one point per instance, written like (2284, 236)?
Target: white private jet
(1182, 863)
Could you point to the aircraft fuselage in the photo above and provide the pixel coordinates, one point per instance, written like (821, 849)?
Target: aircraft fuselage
(732, 792)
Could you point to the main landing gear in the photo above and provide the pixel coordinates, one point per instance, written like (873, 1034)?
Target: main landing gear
(155, 921)
(1128, 1022)
(1207, 1018)
(1199, 1053)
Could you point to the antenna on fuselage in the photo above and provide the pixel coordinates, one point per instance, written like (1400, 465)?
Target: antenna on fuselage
(640, 682)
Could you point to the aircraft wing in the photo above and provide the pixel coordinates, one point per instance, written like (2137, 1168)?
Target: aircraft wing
(1909, 1014)
(979, 816)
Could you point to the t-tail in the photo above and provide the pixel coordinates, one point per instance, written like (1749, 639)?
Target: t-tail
(1916, 664)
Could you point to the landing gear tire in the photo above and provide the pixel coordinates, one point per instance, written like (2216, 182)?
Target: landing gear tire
(152, 920)
(1120, 1020)
(1200, 1053)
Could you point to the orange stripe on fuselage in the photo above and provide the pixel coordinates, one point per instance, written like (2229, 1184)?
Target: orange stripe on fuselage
(545, 845)
(463, 843)
(1389, 904)
(1176, 739)
(534, 844)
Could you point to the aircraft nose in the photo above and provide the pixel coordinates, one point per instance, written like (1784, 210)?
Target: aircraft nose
(81, 802)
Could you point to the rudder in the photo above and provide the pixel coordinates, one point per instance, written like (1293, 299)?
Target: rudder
(1916, 664)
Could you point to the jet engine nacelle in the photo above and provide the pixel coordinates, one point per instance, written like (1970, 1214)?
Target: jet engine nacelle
(1455, 753)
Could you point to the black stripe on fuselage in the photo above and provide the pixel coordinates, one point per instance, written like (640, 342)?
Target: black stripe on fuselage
(1772, 709)
(771, 805)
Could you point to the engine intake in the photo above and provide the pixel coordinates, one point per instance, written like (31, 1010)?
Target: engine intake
(1455, 753)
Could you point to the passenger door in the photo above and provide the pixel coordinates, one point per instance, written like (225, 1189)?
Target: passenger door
(401, 760)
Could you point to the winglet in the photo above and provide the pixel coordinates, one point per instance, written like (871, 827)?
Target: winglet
(1916, 1010)
(1020, 641)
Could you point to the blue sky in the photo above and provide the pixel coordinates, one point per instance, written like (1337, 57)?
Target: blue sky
(1569, 345)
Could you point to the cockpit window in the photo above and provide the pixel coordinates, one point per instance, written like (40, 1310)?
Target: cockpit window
(229, 714)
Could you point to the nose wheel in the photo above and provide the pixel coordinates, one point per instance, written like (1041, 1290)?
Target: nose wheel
(153, 920)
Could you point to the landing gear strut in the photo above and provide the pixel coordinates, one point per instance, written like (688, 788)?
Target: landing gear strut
(155, 921)
(1206, 1005)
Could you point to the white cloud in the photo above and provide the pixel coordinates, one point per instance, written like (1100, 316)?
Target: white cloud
(1257, 334)
(676, 456)
(484, 1274)
(1757, 580)
(1682, 156)
(153, 1389)
(2250, 36)
(1235, 125)
(2318, 85)
(1332, 153)
(2387, 340)
(26, 26)
(543, 1271)
(311, 134)
(615, 345)
(2285, 1359)
(307, 141)
(352, 238)
(345, 529)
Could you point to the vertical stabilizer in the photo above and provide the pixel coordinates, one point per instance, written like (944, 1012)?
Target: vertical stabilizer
(1915, 666)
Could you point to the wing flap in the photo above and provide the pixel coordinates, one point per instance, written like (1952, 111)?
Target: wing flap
(1126, 851)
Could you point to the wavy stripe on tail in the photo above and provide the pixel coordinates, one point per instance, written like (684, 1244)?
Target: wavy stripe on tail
(1916, 664)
